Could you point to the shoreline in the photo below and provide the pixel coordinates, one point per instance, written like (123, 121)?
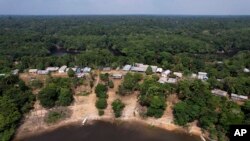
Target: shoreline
(49, 128)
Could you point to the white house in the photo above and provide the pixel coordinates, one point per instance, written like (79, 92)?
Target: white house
(52, 69)
(139, 67)
(159, 70)
(154, 68)
(62, 69)
(219, 92)
(42, 72)
(116, 76)
(202, 76)
(33, 70)
(239, 97)
(178, 74)
(194, 75)
(80, 75)
(126, 68)
(106, 69)
(15, 72)
(86, 70)
(166, 73)
(74, 69)
(246, 70)
(162, 80)
(172, 80)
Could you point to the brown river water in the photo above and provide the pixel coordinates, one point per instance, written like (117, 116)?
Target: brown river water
(105, 131)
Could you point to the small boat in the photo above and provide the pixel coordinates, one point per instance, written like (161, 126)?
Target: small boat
(203, 139)
(84, 121)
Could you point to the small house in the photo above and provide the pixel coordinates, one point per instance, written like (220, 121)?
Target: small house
(78, 70)
(239, 97)
(74, 69)
(172, 80)
(202, 76)
(166, 73)
(86, 70)
(178, 74)
(15, 72)
(159, 70)
(42, 72)
(80, 75)
(154, 68)
(219, 92)
(62, 69)
(33, 70)
(162, 80)
(116, 76)
(52, 69)
(138, 69)
(246, 70)
(126, 68)
(194, 75)
(106, 69)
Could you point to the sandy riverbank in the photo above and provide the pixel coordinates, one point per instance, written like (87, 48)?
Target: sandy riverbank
(84, 106)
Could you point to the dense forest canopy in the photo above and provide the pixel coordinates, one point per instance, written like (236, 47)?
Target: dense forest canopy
(218, 45)
(116, 40)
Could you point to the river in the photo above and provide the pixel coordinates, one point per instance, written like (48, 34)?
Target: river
(105, 131)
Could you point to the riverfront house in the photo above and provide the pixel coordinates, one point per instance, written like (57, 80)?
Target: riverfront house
(236, 97)
(62, 69)
(33, 70)
(219, 92)
(202, 76)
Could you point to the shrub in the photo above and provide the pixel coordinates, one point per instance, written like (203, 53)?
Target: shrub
(71, 73)
(54, 117)
(111, 84)
(100, 112)
(36, 84)
(101, 103)
(117, 107)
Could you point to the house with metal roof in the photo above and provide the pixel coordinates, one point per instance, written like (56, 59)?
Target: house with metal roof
(52, 69)
(172, 80)
(159, 70)
(106, 69)
(246, 70)
(86, 70)
(166, 73)
(117, 76)
(202, 76)
(219, 92)
(162, 80)
(33, 70)
(42, 72)
(178, 74)
(236, 97)
(126, 68)
(15, 72)
(62, 69)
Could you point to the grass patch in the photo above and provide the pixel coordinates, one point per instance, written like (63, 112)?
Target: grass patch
(57, 115)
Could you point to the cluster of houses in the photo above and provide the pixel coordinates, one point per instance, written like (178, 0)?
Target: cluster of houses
(80, 72)
(233, 96)
(165, 74)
